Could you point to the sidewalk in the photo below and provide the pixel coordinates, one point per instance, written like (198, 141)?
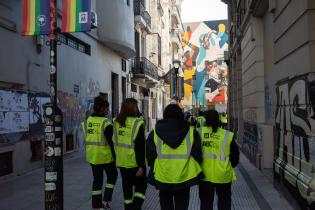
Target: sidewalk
(26, 192)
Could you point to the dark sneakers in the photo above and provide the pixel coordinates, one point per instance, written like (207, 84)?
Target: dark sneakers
(106, 206)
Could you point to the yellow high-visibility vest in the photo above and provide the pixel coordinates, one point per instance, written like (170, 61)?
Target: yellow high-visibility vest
(175, 165)
(97, 148)
(216, 165)
(124, 142)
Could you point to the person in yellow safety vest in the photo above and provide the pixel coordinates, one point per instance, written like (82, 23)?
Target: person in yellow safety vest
(173, 151)
(98, 131)
(129, 141)
(201, 119)
(220, 157)
(224, 120)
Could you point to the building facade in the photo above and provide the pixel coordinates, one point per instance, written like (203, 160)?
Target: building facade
(158, 28)
(271, 69)
(89, 64)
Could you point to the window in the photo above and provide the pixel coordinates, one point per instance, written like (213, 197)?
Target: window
(81, 48)
(159, 51)
(123, 87)
(134, 88)
(61, 38)
(74, 43)
(123, 65)
(127, 2)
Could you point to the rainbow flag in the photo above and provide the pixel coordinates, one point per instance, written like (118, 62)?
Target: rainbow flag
(76, 16)
(36, 17)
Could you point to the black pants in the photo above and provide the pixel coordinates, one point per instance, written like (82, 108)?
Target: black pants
(206, 195)
(133, 201)
(98, 172)
(174, 199)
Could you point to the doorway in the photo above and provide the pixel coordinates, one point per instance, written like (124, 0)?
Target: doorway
(115, 95)
(123, 87)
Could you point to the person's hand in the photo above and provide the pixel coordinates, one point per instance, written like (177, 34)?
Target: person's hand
(139, 172)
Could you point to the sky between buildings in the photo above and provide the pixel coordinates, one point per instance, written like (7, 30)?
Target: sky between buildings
(203, 10)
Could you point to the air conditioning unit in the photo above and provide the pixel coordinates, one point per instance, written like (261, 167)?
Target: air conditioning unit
(93, 19)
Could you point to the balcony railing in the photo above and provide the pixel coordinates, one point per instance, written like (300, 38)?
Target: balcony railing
(139, 9)
(142, 66)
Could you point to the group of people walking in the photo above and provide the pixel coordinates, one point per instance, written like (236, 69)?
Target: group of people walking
(179, 155)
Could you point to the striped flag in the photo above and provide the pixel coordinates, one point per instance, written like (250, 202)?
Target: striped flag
(36, 17)
(76, 16)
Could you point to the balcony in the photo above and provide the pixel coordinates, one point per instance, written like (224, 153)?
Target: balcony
(176, 20)
(144, 72)
(121, 39)
(142, 17)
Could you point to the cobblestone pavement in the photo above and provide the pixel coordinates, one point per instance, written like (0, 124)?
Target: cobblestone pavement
(26, 192)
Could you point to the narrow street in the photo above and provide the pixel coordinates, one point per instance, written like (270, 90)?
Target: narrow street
(251, 191)
(71, 68)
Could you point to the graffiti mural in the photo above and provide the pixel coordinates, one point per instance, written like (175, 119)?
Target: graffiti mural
(73, 109)
(204, 45)
(295, 137)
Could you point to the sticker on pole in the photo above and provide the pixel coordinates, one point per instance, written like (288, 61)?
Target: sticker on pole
(50, 137)
(51, 176)
(50, 186)
(49, 151)
(49, 129)
(58, 141)
(58, 151)
(58, 118)
(58, 129)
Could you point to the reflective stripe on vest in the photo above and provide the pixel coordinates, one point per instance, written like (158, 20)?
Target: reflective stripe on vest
(124, 142)
(175, 165)
(173, 156)
(216, 164)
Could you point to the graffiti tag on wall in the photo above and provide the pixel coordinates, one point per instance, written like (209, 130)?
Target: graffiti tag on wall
(250, 141)
(13, 112)
(295, 123)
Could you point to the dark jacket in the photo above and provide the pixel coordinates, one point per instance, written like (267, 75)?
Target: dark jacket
(172, 132)
(234, 153)
(140, 147)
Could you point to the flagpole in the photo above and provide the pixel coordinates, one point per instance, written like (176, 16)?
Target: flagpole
(53, 128)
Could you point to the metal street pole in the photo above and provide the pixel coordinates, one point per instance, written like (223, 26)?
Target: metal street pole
(53, 128)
